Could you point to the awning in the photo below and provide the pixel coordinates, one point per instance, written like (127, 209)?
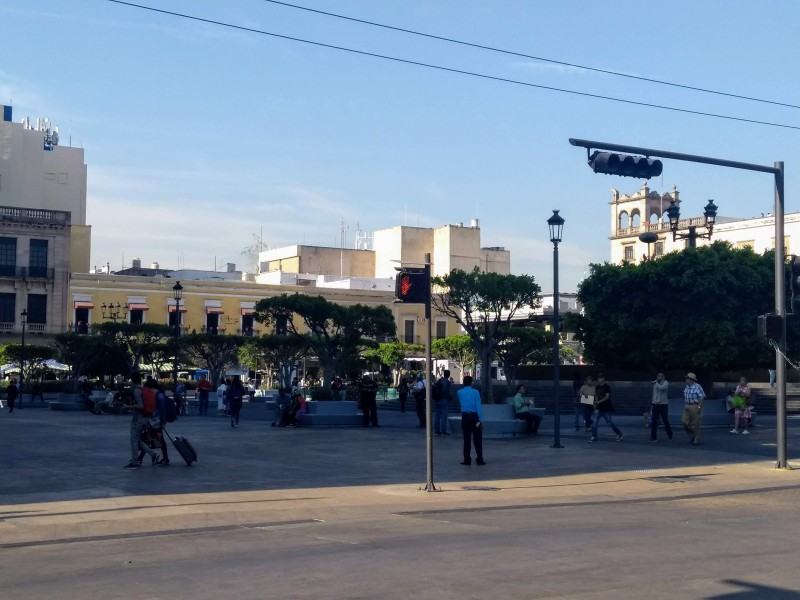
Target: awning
(138, 307)
(84, 304)
(246, 312)
(171, 308)
(214, 310)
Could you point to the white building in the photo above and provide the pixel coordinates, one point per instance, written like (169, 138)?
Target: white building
(646, 211)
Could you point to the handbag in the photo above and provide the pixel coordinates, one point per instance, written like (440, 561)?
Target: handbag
(738, 402)
(587, 399)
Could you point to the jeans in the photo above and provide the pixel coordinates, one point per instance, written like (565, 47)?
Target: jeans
(369, 411)
(235, 407)
(660, 411)
(587, 411)
(471, 433)
(601, 414)
(420, 400)
(203, 403)
(137, 427)
(440, 419)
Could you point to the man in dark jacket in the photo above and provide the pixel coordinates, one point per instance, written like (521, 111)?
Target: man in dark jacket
(368, 392)
(603, 408)
(12, 393)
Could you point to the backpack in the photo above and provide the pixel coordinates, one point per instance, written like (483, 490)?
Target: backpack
(170, 408)
(149, 404)
(436, 391)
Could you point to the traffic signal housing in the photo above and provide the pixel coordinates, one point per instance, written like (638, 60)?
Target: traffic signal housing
(794, 282)
(412, 286)
(625, 165)
(770, 326)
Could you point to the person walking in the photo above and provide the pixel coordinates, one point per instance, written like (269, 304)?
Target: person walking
(235, 395)
(471, 416)
(604, 408)
(586, 397)
(577, 384)
(522, 409)
(659, 407)
(693, 396)
(741, 407)
(368, 392)
(222, 401)
(402, 393)
(138, 423)
(440, 394)
(12, 393)
(203, 390)
(419, 398)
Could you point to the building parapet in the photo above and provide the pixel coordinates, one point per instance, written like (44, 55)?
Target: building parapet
(34, 216)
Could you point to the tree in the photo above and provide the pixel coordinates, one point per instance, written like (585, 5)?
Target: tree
(132, 340)
(484, 305)
(692, 310)
(336, 333)
(523, 345)
(393, 355)
(280, 351)
(456, 348)
(214, 352)
(30, 359)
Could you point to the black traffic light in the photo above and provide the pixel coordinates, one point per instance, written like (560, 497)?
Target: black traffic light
(412, 286)
(794, 281)
(625, 165)
(770, 326)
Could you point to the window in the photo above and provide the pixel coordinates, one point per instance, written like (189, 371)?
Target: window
(247, 325)
(8, 303)
(37, 308)
(38, 263)
(441, 329)
(212, 323)
(136, 316)
(408, 331)
(659, 249)
(174, 319)
(8, 256)
(629, 253)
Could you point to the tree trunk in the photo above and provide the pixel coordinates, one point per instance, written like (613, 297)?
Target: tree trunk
(486, 375)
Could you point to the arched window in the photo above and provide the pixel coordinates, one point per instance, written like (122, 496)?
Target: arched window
(636, 219)
(623, 220)
(654, 219)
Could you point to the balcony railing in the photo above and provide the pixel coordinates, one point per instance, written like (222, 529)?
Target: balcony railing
(26, 272)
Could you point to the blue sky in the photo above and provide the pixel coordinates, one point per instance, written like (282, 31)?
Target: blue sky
(199, 137)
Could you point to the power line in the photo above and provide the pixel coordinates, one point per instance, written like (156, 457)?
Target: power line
(541, 58)
(453, 70)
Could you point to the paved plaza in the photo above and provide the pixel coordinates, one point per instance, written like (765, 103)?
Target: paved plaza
(339, 513)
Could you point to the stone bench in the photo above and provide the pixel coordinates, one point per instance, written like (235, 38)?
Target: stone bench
(499, 420)
(330, 413)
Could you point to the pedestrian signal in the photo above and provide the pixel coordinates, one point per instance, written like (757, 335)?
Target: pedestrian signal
(412, 286)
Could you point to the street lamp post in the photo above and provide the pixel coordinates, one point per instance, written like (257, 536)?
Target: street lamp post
(24, 315)
(709, 214)
(556, 224)
(177, 293)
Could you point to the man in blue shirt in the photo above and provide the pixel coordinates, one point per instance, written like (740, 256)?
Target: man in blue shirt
(471, 416)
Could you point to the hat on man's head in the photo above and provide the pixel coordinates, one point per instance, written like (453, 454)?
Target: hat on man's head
(691, 376)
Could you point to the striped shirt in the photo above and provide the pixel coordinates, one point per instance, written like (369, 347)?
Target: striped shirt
(693, 393)
(470, 400)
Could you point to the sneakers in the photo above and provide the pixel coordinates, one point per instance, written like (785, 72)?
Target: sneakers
(734, 431)
(132, 465)
(164, 462)
(745, 432)
(155, 458)
(619, 437)
(480, 462)
(592, 440)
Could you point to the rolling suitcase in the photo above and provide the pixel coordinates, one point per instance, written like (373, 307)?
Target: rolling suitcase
(185, 448)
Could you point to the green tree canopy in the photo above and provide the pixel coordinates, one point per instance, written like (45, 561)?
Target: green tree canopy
(214, 352)
(131, 341)
(523, 345)
(458, 349)
(281, 352)
(484, 305)
(393, 355)
(694, 309)
(336, 333)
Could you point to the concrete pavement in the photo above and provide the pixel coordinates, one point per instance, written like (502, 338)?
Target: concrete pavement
(299, 513)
